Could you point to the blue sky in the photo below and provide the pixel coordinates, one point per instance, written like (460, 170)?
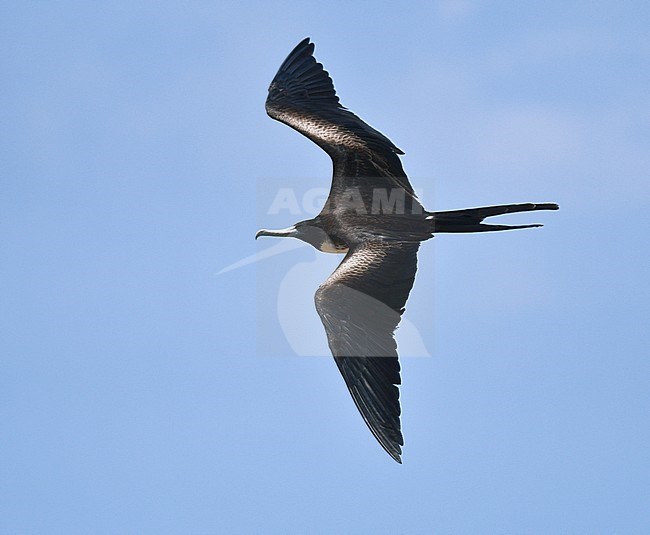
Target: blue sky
(140, 392)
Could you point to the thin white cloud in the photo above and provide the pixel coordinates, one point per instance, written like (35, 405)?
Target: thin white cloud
(282, 246)
(548, 46)
(528, 136)
(454, 10)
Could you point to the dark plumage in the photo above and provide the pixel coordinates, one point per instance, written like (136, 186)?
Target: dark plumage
(373, 216)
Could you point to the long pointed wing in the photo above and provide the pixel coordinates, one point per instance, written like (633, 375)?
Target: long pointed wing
(302, 96)
(360, 306)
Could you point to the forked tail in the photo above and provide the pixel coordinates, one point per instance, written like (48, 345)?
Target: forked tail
(471, 219)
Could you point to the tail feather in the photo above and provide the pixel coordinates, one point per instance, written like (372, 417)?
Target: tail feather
(471, 219)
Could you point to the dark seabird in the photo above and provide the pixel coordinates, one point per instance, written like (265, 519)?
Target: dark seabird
(373, 216)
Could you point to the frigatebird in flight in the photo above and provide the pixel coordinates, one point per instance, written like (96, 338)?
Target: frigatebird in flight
(373, 216)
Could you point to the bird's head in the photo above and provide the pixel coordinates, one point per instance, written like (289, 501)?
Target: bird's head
(307, 231)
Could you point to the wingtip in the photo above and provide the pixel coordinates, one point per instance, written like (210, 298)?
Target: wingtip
(304, 45)
(393, 449)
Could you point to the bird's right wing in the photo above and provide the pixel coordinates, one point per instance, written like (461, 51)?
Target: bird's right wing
(360, 306)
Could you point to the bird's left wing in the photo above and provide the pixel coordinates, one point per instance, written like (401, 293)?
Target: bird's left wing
(302, 96)
(360, 306)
